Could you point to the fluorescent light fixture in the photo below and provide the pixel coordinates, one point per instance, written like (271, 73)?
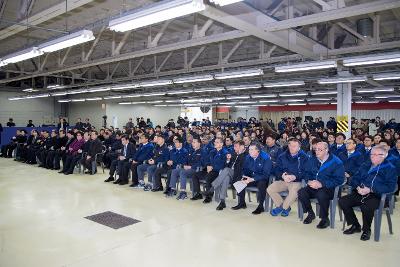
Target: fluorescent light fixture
(227, 103)
(193, 79)
(318, 99)
(23, 55)
(155, 83)
(154, 102)
(112, 97)
(243, 87)
(242, 106)
(217, 98)
(387, 96)
(125, 103)
(154, 94)
(55, 86)
(37, 96)
(156, 13)
(137, 103)
(264, 96)
(238, 74)
(343, 80)
(224, 2)
(267, 101)
(64, 101)
(295, 94)
(99, 89)
(296, 104)
(366, 102)
(59, 94)
(180, 92)
(125, 86)
(372, 59)
(386, 76)
(324, 93)
(238, 97)
(247, 102)
(161, 105)
(78, 100)
(30, 90)
(72, 39)
(171, 101)
(201, 90)
(2, 63)
(16, 98)
(317, 65)
(284, 84)
(293, 100)
(373, 90)
(94, 99)
(130, 96)
(394, 101)
(74, 92)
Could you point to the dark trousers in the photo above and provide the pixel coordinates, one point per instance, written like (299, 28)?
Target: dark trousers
(133, 167)
(117, 165)
(31, 155)
(9, 149)
(208, 177)
(70, 162)
(87, 163)
(124, 166)
(60, 154)
(398, 186)
(323, 195)
(108, 158)
(159, 172)
(43, 156)
(262, 192)
(368, 204)
(50, 159)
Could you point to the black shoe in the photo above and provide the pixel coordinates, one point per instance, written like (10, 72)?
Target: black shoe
(166, 192)
(61, 171)
(207, 200)
(258, 210)
(239, 206)
(310, 217)
(88, 172)
(41, 166)
(221, 206)
(133, 185)
(117, 181)
(110, 179)
(123, 183)
(67, 173)
(197, 196)
(324, 223)
(366, 235)
(355, 228)
(157, 189)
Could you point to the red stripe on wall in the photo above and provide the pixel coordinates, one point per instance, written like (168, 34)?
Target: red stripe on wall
(377, 106)
(222, 109)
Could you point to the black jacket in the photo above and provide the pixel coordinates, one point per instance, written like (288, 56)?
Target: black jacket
(95, 147)
(236, 162)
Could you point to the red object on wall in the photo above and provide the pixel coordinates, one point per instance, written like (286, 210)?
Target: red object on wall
(222, 109)
(376, 106)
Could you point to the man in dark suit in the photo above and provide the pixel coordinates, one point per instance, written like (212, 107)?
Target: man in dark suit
(60, 141)
(95, 147)
(61, 153)
(122, 162)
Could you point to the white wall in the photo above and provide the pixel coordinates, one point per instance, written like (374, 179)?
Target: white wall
(40, 110)
(91, 110)
(245, 113)
(195, 113)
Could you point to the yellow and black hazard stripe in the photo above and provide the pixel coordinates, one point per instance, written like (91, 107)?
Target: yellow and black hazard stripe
(343, 126)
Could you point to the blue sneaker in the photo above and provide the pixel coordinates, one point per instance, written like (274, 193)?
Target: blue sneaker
(276, 211)
(285, 213)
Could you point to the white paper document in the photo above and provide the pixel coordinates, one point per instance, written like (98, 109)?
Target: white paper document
(239, 186)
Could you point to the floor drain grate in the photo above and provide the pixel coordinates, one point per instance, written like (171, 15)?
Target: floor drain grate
(111, 219)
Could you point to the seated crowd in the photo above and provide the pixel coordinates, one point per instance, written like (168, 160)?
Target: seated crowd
(216, 157)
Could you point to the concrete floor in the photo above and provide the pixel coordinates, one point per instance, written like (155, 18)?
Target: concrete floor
(42, 224)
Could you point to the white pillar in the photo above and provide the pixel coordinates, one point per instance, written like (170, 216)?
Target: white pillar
(344, 97)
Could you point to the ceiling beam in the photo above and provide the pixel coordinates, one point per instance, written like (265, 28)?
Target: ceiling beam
(357, 10)
(43, 16)
(249, 20)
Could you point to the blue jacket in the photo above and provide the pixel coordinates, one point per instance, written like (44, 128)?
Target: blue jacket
(395, 160)
(353, 162)
(259, 168)
(160, 154)
(364, 152)
(336, 151)
(294, 165)
(380, 179)
(330, 174)
(178, 156)
(229, 149)
(144, 152)
(197, 158)
(217, 159)
(273, 152)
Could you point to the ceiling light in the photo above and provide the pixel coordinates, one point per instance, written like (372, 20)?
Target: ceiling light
(293, 100)
(156, 13)
(72, 39)
(283, 84)
(59, 94)
(372, 59)
(386, 76)
(2, 63)
(317, 65)
(155, 83)
(238, 74)
(64, 101)
(94, 99)
(125, 103)
(264, 96)
(366, 102)
(78, 100)
(394, 101)
(112, 97)
(37, 96)
(22, 55)
(243, 87)
(99, 89)
(296, 104)
(318, 99)
(224, 2)
(227, 103)
(193, 79)
(30, 90)
(154, 94)
(238, 97)
(154, 102)
(74, 92)
(180, 92)
(55, 86)
(343, 80)
(373, 90)
(387, 96)
(16, 98)
(295, 94)
(324, 93)
(267, 101)
(161, 105)
(215, 89)
(125, 86)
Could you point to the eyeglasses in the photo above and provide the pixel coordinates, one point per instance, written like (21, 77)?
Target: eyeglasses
(320, 149)
(375, 155)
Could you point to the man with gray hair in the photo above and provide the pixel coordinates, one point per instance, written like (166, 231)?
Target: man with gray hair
(323, 173)
(374, 178)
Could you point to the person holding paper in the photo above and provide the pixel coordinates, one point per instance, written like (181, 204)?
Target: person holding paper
(256, 171)
(324, 172)
(290, 169)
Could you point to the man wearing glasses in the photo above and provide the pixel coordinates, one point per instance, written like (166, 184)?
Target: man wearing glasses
(324, 172)
(374, 178)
